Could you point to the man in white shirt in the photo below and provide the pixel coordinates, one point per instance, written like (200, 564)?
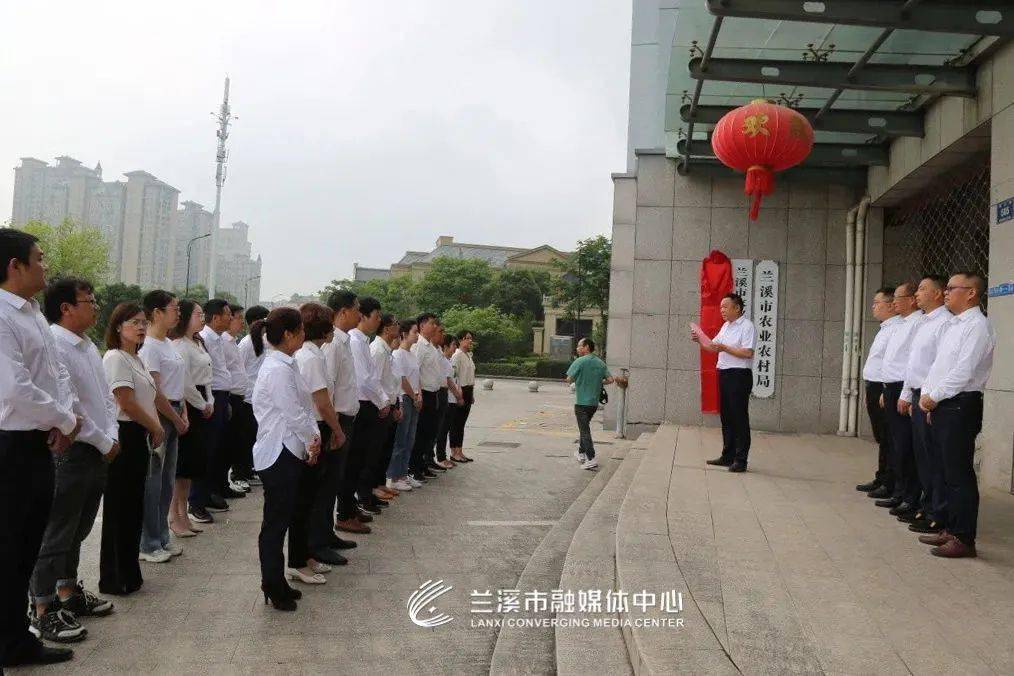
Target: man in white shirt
(37, 419)
(734, 345)
(80, 471)
(374, 408)
(382, 352)
(928, 460)
(342, 369)
(233, 439)
(210, 491)
(882, 485)
(432, 375)
(952, 398)
(904, 503)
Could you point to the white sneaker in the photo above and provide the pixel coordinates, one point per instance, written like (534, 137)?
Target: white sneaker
(174, 548)
(590, 464)
(413, 482)
(401, 485)
(580, 457)
(157, 556)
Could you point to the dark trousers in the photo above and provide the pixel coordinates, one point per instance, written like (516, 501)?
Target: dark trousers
(906, 480)
(80, 479)
(459, 416)
(389, 428)
(444, 424)
(214, 479)
(956, 422)
(367, 438)
(309, 485)
(734, 387)
(331, 487)
(241, 436)
(123, 513)
(26, 496)
(584, 414)
(880, 433)
(928, 464)
(281, 486)
(425, 434)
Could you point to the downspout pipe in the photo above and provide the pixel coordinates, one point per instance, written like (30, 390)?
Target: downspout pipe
(858, 303)
(846, 360)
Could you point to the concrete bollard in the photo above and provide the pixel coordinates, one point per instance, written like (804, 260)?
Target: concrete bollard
(533, 386)
(487, 384)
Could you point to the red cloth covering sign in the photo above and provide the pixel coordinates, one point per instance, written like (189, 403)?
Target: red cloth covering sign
(716, 281)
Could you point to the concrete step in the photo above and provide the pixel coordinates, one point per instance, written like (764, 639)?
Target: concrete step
(591, 565)
(645, 561)
(531, 650)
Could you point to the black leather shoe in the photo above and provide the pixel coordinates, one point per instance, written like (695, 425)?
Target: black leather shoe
(216, 503)
(428, 474)
(43, 654)
(868, 486)
(880, 492)
(889, 502)
(737, 467)
(344, 544)
(379, 502)
(372, 509)
(924, 526)
(230, 494)
(907, 517)
(903, 508)
(330, 556)
(364, 516)
(720, 462)
(435, 466)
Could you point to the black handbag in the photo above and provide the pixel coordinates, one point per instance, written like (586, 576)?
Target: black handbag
(603, 396)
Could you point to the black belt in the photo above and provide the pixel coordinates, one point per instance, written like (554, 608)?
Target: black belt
(31, 435)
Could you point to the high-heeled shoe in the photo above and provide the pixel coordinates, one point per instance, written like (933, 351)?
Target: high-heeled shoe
(182, 534)
(278, 598)
(296, 574)
(293, 593)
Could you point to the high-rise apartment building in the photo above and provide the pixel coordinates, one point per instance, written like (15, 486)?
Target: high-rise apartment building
(148, 252)
(192, 221)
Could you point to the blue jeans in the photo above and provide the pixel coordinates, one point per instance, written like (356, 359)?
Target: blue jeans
(158, 491)
(404, 439)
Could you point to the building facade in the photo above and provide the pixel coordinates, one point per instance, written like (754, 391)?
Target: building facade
(193, 227)
(148, 249)
(932, 187)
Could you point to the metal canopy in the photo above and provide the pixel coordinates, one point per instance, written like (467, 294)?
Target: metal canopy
(822, 155)
(952, 80)
(890, 123)
(800, 174)
(972, 18)
(860, 70)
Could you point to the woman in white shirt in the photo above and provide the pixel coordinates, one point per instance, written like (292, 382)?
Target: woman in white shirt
(192, 461)
(464, 377)
(287, 440)
(251, 359)
(168, 371)
(405, 367)
(140, 432)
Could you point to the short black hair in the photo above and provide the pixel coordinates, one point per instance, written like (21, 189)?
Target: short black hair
(886, 291)
(589, 343)
(280, 320)
(939, 280)
(426, 317)
(736, 299)
(14, 245)
(156, 300)
(465, 334)
(405, 327)
(318, 320)
(909, 286)
(386, 319)
(255, 312)
(342, 299)
(215, 307)
(236, 308)
(368, 304)
(62, 290)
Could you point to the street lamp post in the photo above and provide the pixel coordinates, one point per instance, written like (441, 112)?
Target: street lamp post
(190, 245)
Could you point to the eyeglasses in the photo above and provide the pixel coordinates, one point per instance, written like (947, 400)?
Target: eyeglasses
(948, 289)
(92, 301)
(138, 323)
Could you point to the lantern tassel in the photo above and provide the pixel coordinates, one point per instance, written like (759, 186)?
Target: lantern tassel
(760, 181)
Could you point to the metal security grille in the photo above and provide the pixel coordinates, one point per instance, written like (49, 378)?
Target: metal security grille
(944, 229)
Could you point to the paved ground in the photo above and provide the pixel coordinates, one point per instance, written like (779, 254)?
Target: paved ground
(474, 527)
(795, 571)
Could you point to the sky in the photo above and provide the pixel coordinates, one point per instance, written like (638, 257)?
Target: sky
(365, 128)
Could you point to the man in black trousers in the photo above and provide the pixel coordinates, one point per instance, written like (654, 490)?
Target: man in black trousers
(432, 375)
(882, 485)
(36, 420)
(952, 399)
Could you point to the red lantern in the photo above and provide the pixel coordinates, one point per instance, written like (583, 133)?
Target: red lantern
(761, 138)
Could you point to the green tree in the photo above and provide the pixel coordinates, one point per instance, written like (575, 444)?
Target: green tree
(109, 297)
(518, 292)
(453, 281)
(496, 334)
(584, 283)
(72, 249)
(396, 295)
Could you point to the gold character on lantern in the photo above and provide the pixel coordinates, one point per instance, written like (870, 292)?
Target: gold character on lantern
(755, 124)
